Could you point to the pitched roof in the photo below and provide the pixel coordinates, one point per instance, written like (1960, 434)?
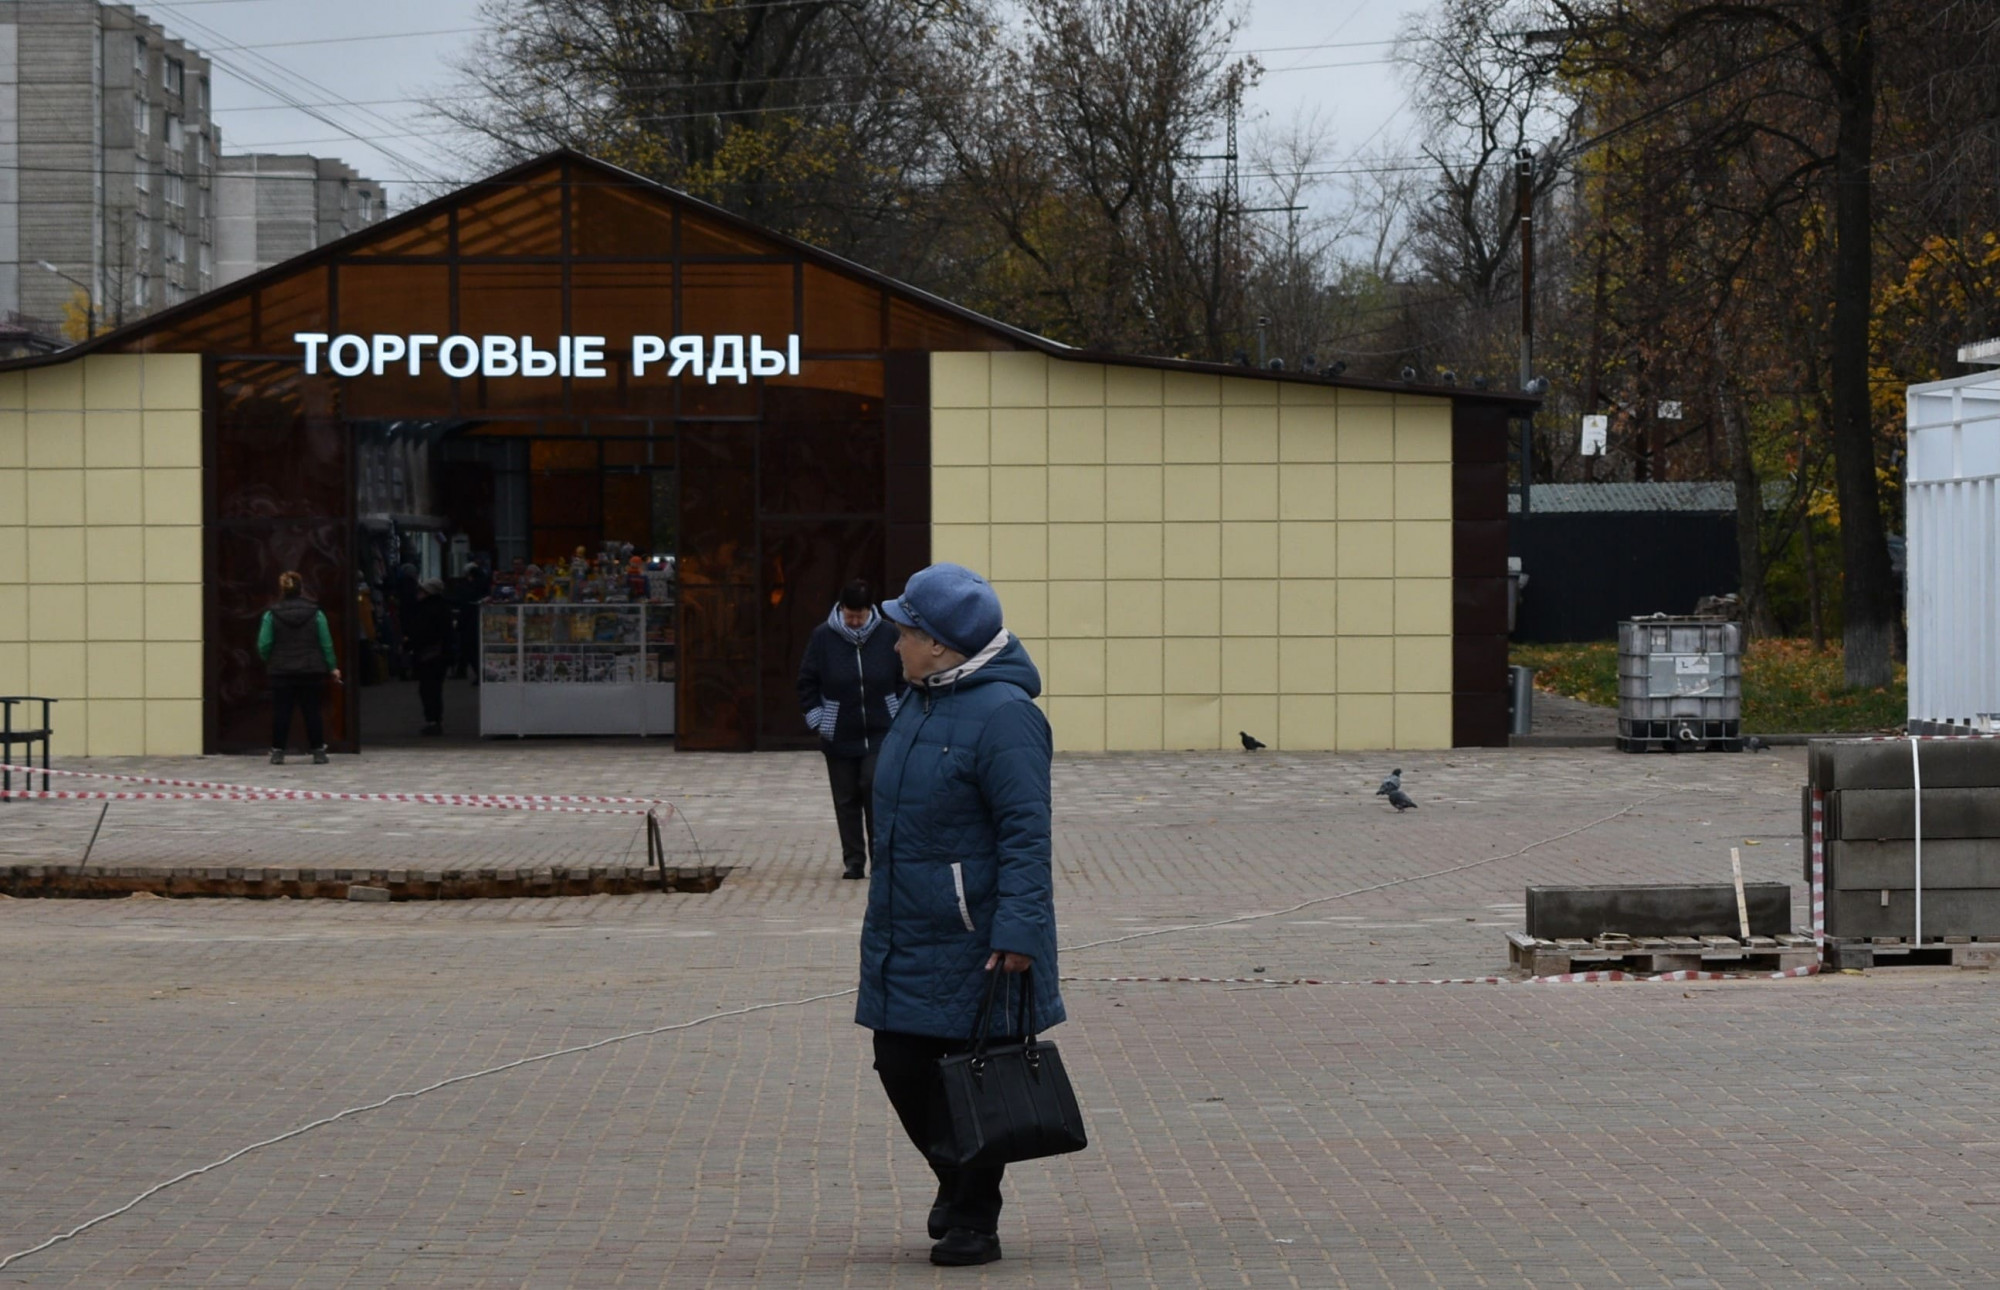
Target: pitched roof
(120, 338)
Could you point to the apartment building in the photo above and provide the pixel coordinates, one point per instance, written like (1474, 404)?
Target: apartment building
(107, 161)
(271, 207)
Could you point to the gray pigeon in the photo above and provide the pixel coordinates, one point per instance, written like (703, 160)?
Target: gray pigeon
(1391, 784)
(1401, 801)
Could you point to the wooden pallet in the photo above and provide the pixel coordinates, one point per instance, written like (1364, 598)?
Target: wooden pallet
(1654, 954)
(1899, 951)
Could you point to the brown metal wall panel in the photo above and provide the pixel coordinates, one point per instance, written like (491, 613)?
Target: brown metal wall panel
(1479, 548)
(907, 383)
(1479, 575)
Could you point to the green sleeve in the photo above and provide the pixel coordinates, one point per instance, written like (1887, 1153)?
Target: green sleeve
(326, 643)
(264, 638)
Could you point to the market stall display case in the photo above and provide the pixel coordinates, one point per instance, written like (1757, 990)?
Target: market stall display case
(576, 669)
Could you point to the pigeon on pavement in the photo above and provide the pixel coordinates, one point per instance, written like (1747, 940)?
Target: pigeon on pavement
(1401, 801)
(1391, 784)
(1250, 742)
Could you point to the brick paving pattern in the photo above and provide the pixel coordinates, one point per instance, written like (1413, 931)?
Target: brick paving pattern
(1830, 1131)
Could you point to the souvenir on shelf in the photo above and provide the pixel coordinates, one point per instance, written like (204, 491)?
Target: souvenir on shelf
(536, 630)
(499, 628)
(503, 667)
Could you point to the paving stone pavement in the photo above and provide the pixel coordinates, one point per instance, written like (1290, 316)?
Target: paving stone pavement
(1829, 1131)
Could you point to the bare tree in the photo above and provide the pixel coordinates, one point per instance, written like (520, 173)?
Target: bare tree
(1082, 138)
(805, 116)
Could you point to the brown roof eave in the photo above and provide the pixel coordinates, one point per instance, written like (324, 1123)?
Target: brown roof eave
(826, 259)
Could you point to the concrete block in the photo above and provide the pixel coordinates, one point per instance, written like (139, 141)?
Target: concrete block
(1947, 763)
(1882, 813)
(1949, 863)
(1658, 909)
(373, 894)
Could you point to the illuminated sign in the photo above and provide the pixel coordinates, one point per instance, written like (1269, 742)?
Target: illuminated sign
(716, 358)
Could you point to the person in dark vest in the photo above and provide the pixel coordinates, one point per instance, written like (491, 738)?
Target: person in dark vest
(850, 687)
(297, 649)
(428, 630)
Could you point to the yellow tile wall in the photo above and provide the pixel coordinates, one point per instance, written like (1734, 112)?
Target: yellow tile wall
(1188, 555)
(100, 550)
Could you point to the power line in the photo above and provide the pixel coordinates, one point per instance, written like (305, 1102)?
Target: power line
(262, 82)
(337, 40)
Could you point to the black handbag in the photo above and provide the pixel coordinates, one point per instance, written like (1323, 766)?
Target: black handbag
(1005, 1101)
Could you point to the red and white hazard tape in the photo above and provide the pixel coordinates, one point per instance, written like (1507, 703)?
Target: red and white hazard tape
(1569, 978)
(427, 798)
(1264, 980)
(220, 792)
(1818, 848)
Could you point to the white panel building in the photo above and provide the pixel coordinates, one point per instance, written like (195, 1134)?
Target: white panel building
(1952, 495)
(107, 155)
(271, 207)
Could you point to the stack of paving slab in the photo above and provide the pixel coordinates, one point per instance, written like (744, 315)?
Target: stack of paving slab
(1659, 927)
(1870, 797)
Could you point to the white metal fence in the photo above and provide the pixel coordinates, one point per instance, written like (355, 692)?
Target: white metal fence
(1952, 494)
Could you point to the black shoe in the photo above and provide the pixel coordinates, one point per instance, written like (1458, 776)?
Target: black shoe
(938, 1225)
(319, 756)
(963, 1248)
(852, 872)
(277, 756)
(432, 728)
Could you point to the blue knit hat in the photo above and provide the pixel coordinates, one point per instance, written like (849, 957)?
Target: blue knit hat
(951, 604)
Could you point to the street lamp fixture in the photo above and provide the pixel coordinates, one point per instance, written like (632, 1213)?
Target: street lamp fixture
(89, 298)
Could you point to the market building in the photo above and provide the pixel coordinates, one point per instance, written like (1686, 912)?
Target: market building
(728, 425)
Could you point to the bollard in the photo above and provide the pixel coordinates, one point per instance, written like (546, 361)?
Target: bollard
(1520, 700)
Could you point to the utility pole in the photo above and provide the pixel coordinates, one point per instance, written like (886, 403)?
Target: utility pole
(1524, 205)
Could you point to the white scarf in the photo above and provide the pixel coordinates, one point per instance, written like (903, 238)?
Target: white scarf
(953, 675)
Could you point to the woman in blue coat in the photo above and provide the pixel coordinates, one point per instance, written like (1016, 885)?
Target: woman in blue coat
(962, 883)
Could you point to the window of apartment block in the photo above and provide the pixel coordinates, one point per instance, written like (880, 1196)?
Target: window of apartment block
(201, 93)
(175, 244)
(176, 71)
(176, 190)
(204, 262)
(141, 290)
(142, 175)
(367, 207)
(201, 150)
(139, 58)
(142, 233)
(142, 118)
(176, 136)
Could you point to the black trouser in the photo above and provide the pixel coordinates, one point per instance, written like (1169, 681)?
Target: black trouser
(430, 688)
(302, 692)
(908, 1067)
(853, 780)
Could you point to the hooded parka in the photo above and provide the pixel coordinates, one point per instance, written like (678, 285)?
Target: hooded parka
(962, 851)
(851, 683)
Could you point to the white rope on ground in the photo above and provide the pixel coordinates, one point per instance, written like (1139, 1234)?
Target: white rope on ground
(240, 1152)
(157, 1188)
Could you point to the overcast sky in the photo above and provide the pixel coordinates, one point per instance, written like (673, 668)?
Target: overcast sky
(363, 64)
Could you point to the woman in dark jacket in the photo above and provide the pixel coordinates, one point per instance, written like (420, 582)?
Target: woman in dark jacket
(297, 649)
(850, 686)
(963, 885)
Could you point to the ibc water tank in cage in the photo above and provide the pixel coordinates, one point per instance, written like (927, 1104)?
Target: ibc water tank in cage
(1680, 685)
